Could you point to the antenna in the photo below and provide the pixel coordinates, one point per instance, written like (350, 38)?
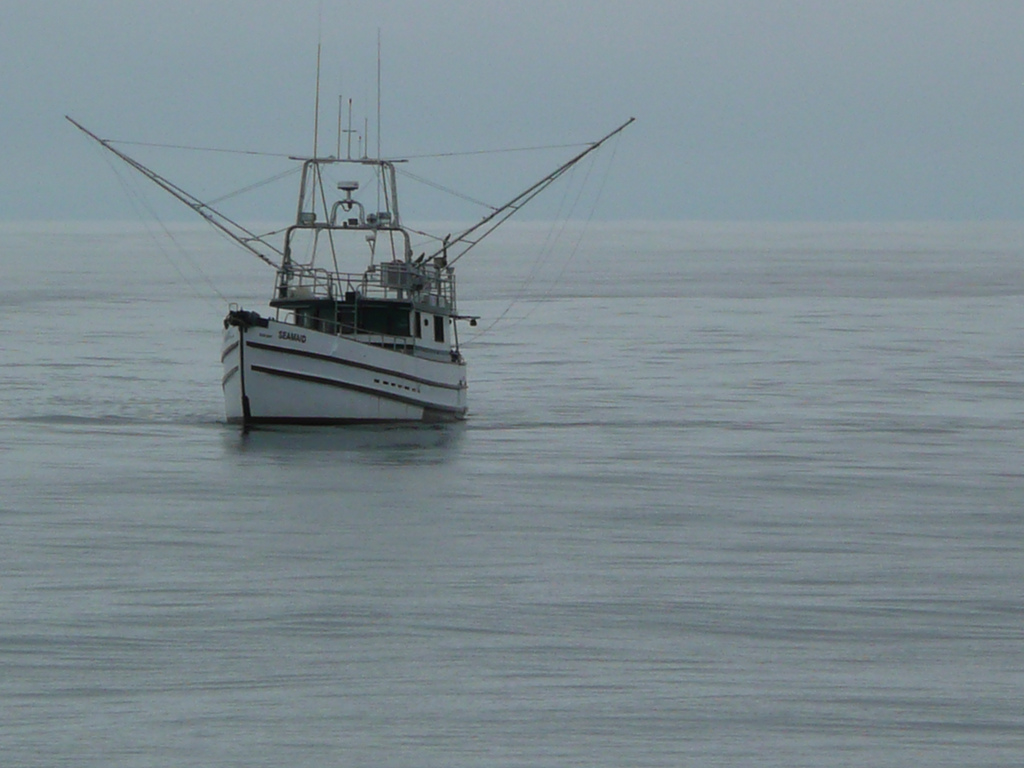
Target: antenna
(380, 169)
(316, 103)
(378, 93)
(338, 153)
(349, 131)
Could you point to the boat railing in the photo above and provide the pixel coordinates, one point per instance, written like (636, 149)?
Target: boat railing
(428, 283)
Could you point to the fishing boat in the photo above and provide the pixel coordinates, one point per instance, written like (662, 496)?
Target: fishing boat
(379, 345)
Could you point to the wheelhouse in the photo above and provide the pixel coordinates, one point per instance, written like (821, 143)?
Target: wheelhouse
(398, 301)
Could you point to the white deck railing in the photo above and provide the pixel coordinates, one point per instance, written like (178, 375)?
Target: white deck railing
(390, 280)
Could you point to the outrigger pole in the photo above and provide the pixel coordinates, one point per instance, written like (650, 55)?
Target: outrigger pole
(499, 215)
(247, 239)
(232, 229)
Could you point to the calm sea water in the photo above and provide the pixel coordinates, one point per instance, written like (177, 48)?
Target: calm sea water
(729, 495)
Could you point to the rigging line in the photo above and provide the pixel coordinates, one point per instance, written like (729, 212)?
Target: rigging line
(551, 239)
(447, 190)
(427, 235)
(254, 185)
(137, 199)
(546, 249)
(500, 216)
(544, 253)
(573, 253)
(494, 151)
(272, 232)
(489, 223)
(212, 215)
(579, 240)
(199, 149)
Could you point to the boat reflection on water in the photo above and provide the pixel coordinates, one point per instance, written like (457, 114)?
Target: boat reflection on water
(398, 444)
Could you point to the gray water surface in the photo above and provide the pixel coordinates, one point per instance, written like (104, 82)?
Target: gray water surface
(728, 495)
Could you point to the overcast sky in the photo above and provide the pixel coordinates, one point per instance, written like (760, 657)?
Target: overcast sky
(887, 110)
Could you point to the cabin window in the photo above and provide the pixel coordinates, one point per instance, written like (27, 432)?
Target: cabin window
(418, 326)
(438, 329)
(306, 318)
(389, 320)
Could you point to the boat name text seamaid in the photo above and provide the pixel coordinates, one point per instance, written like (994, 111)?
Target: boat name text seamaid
(300, 337)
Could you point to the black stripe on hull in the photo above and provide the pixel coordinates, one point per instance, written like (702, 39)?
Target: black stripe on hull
(228, 350)
(454, 411)
(352, 364)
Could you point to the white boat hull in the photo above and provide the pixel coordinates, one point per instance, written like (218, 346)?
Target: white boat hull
(282, 374)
